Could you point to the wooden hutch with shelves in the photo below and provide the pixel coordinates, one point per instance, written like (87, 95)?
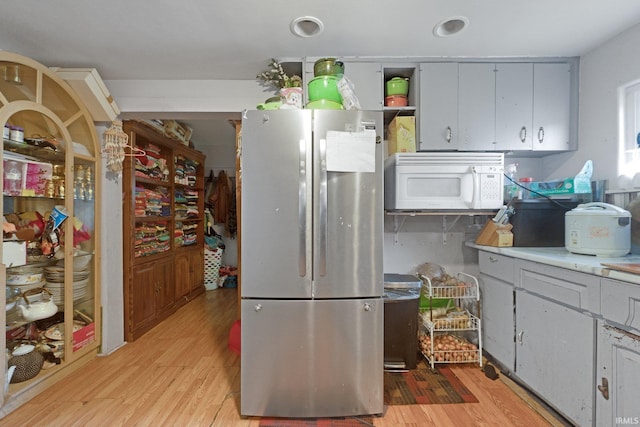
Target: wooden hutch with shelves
(163, 232)
(55, 168)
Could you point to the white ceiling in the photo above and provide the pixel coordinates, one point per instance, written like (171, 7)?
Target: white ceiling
(205, 39)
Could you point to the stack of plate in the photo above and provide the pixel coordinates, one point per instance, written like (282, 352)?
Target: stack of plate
(55, 283)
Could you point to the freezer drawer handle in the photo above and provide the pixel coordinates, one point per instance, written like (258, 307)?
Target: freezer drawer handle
(322, 268)
(302, 210)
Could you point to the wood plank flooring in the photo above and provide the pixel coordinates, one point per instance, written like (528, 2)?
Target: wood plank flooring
(182, 373)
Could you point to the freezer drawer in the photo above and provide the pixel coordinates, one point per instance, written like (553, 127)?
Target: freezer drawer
(312, 358)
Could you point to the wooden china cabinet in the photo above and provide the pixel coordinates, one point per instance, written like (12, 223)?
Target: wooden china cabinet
(51, 162)
(163, 233)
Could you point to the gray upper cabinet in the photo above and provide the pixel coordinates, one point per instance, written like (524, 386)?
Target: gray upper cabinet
(476, 106)
(503, 106)
(438, 106)
(367, 81)
(533, 104)
(514, 106)
(552, 107)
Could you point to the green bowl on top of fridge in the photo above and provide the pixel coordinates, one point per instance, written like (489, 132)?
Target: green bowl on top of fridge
(324, 87)
(324, 104)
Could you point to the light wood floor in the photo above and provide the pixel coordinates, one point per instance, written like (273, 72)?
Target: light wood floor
(182, 374)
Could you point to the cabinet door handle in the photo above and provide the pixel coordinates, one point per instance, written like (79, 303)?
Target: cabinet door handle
(492, 259)
(523, 134)
(604, 388)
(449, 134)
(540, 134)
(520, 335)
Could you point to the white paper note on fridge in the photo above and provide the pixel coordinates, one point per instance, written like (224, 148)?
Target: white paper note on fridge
(351, 151)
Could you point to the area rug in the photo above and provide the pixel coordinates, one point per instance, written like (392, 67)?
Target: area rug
(423, 386)
(317, 422)
(420, 386)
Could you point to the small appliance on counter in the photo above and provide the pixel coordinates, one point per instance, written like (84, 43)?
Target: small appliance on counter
(539, 222)
(599, 229)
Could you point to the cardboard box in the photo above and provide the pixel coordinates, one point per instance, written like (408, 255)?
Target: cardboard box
(84, 336)
(562, 187)
(14, 253)
(401, 135)
(36, 177)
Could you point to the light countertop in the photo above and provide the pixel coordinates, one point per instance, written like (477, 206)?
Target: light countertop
(560, 257)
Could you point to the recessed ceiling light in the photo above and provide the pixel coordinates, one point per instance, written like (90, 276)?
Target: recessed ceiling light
(450, 26)
(306, 26)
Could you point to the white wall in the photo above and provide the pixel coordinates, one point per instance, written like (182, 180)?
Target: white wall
(602, 72)
(112, 291)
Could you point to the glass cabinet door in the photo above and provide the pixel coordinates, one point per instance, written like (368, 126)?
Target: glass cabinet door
(50, 161)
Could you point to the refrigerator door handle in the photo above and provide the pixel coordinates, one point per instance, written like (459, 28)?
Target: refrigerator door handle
(302, 209)
(322, 258)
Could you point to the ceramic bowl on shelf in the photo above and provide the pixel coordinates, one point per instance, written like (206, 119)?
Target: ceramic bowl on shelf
(398, 86)
(395, 101)
(328, 67)
(24, 276)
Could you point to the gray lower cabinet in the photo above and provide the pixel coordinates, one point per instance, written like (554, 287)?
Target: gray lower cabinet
(498, 320)
(554, 354)
(618, 363)
(617, 377)
(497, 296)
(555, 336)
(539, 324)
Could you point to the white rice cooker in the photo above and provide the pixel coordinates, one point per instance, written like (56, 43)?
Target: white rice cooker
(599, 229)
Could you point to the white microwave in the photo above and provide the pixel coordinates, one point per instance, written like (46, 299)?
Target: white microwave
(444, 180)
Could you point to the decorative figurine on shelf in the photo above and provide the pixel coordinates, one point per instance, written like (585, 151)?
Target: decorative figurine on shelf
(50, 239)
(288, 87)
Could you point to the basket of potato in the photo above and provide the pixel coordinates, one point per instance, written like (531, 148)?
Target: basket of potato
(447, 348)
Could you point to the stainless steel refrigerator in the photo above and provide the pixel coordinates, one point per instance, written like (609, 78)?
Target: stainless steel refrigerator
(311, 263)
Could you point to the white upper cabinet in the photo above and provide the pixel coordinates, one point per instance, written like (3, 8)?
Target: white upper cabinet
(476, 106)
(514, 106)
(552, 107)
(438, 106)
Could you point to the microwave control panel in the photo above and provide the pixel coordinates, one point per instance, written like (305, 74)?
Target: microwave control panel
(491, 184)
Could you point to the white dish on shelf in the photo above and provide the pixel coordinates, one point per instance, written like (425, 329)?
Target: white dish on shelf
(22, 350)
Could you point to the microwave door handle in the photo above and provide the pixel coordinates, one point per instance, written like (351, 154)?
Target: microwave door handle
(302, 209)
(322, 256)
(476, 188)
